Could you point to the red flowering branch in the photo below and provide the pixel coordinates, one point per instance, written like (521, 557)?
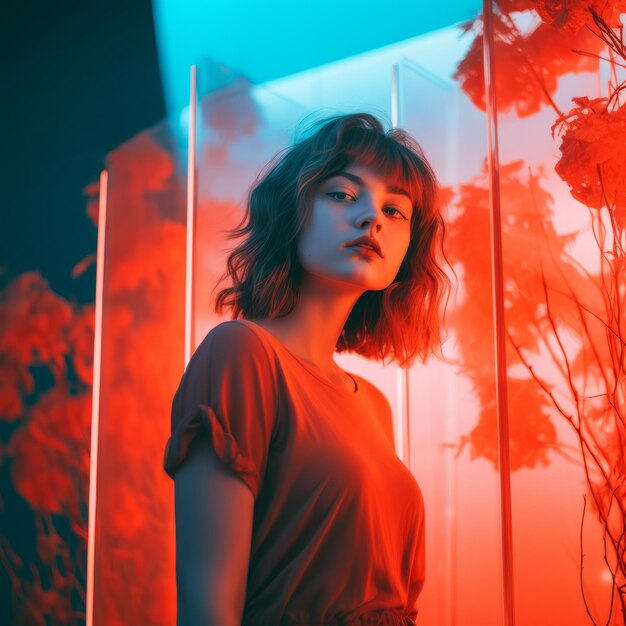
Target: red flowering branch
(607, 31)
(49, 449)
(593, 163)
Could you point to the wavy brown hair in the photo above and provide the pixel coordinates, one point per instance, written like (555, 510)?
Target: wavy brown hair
(401, 322)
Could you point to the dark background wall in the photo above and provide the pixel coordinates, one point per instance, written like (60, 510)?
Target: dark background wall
(77, 79)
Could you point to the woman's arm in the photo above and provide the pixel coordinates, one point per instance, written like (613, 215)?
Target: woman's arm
(214, 510)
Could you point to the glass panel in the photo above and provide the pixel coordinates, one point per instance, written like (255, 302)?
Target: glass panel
(142, 360)
(453, 430)
(562, 360)
(243, 126)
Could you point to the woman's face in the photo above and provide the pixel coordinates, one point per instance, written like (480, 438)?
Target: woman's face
(356, 202)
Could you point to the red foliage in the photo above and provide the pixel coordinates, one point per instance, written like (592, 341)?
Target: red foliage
(33, 331)
(514, 88)
(532, 432)
(529, 242)
(51, 453)
(50, 448)
(39, 328)
(142, 359)
(535, 256)
(594, 140)
(80, 336)
(512, 6)
(14, 382)
(573, 15)
(143, 312)
(554, 52)
(33, 324)
(527, 67)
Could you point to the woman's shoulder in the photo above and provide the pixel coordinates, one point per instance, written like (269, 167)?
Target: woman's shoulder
(231, 354)
(232, 344)
(234, 334)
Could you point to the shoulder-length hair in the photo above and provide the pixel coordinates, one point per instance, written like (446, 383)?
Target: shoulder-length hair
(401, 322)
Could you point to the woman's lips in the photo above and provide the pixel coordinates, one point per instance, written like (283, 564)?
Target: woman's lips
(365, 250)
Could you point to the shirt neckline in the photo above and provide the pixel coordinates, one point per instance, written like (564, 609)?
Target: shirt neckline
(310, 367)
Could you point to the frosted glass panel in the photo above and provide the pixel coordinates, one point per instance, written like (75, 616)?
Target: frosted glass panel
(142, 360)
(242, 127)
(547, 236)
(461, 488)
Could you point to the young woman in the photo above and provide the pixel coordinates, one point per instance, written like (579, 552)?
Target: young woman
(291, 504)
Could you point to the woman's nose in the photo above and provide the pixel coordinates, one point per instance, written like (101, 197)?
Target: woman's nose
(369, 213)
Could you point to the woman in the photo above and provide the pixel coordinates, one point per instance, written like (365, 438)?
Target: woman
(292, 506)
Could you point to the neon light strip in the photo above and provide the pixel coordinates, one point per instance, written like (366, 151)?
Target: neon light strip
(191, 196)
(95, 395)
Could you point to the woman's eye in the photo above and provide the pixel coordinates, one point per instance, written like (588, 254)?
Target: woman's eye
(347, 195)
(340, 193)
(393, 208)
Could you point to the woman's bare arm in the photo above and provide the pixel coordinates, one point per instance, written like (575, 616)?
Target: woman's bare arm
(214, 510)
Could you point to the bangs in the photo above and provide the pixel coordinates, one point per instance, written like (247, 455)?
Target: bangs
(391, 160)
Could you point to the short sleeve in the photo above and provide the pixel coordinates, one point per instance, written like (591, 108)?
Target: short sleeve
(228, 394)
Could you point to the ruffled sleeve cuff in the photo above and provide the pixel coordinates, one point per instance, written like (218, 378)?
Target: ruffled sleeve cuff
(204, 422)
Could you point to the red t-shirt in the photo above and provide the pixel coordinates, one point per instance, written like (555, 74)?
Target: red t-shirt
(338, 531)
